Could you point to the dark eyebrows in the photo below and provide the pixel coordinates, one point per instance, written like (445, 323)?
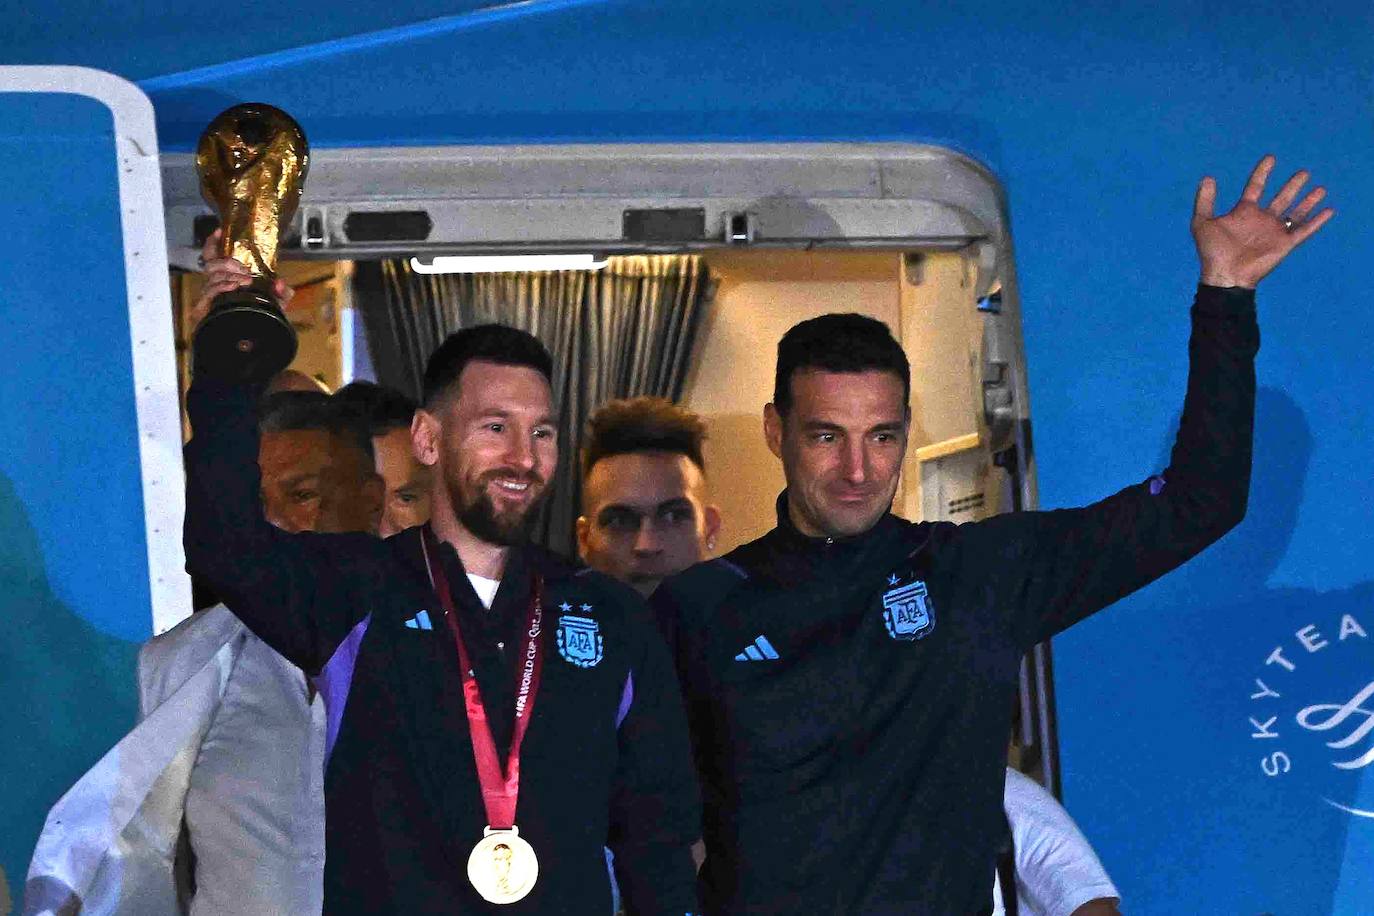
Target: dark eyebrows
(607, 512)
(505, 416)
(822, 426)
(825, 426)
(614, 509)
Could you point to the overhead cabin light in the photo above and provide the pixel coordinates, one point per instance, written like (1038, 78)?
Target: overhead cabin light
(503, 263)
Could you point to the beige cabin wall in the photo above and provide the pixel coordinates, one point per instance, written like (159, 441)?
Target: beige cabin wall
(942, 334)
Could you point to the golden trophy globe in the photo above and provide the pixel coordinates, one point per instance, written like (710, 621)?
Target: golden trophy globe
(252, 161)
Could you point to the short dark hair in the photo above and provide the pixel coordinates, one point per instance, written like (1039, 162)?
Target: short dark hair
(382, 408)
(643, 424)
(837, 343)
(492, 343)
(287, 411)
(283, 411)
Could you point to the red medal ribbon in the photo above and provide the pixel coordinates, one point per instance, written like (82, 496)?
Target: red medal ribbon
(500, 785)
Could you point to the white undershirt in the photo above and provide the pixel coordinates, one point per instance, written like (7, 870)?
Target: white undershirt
(485, 588)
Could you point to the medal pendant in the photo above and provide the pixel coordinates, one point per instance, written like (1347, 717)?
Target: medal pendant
(502, 866)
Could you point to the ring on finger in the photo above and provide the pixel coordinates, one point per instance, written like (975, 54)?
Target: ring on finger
(1289, 223)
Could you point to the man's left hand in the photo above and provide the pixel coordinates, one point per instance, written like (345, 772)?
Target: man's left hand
(1240, 248)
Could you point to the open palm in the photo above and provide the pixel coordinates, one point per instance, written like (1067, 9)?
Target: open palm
(1241, 247)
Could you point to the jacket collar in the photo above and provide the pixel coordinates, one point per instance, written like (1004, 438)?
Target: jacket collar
(792, 540)
(520, 562)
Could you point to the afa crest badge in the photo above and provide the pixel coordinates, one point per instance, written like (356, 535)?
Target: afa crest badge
(908, 611)
(579, 640)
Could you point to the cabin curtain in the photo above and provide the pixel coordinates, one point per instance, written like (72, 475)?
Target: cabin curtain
(628, 329)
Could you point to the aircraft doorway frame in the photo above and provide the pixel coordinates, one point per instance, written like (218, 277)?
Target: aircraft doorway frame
(610, 199)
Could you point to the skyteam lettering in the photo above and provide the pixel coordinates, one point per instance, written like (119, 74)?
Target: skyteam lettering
(1280, 699)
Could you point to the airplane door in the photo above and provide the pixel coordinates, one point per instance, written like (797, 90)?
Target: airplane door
(91, 492)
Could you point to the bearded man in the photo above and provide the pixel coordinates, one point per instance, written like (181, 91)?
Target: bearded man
(495, 716)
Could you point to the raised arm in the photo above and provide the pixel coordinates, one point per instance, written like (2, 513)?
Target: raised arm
(301, 593)
(1074, 562)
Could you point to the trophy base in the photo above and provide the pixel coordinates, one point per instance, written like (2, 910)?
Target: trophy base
(245, 338)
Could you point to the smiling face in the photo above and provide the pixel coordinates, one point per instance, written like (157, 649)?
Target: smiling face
(841, 444)
(645, 517)
(492, 444)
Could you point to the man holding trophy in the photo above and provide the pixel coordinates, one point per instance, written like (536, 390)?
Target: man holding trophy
(494, 715)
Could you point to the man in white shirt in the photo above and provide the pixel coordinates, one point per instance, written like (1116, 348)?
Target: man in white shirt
(1057, 872)
(214, 803)
(254, 807)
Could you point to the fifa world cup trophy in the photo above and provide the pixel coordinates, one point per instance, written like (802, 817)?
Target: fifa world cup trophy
(252, 160)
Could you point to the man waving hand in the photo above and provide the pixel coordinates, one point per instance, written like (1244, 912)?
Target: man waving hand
(850, 675)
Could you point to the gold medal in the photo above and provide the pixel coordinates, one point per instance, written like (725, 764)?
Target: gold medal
(502, 866)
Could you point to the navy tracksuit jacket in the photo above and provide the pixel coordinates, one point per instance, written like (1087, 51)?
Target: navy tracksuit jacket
(606, 760)
(850, 701)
